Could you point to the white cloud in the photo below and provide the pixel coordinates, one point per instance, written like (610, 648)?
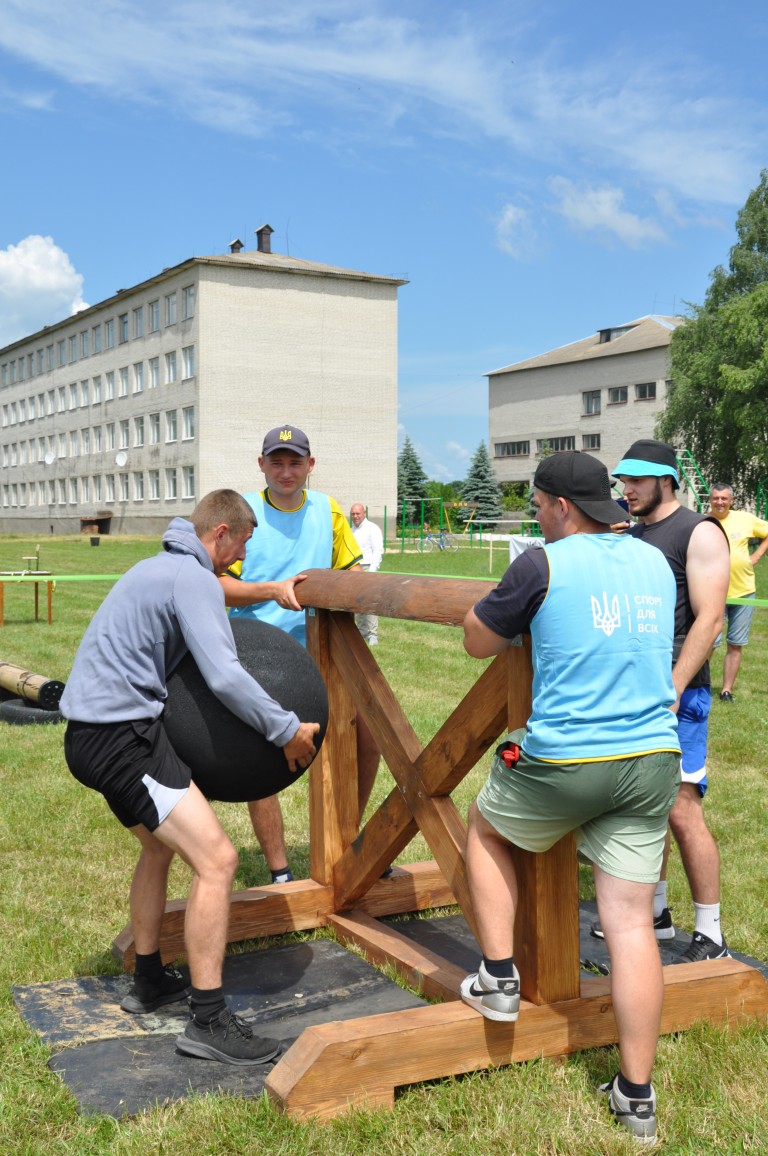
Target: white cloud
(600, 209)
(38, 286)
(458, 451)
(515, 234)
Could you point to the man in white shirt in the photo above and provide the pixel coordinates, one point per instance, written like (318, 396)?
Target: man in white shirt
(370, 540)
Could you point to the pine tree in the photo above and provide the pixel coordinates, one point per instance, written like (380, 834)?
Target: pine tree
(411, 482)
(481, 486)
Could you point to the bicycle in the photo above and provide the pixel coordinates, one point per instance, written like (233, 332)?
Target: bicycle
(441, 541)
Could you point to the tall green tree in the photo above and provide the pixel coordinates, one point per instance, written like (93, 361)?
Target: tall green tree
(411, 482)
(481, 486)
(717, 405)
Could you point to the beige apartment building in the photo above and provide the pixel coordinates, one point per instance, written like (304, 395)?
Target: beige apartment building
(126, 413)
(599, 395)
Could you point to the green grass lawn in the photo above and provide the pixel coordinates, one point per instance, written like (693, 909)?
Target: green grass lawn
(66, 866)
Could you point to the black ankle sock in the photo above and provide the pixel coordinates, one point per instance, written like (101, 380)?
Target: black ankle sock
(633, 1091)
(150, 966)
(206, 1003)
(500, 968)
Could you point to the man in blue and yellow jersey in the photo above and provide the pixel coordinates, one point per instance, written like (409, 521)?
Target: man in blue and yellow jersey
(599, 754)
(298, 529)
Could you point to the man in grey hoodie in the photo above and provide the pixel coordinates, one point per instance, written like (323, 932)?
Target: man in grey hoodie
(115, 744)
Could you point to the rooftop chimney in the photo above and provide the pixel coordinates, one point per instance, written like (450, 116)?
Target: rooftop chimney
(263, 238)
(235, 246)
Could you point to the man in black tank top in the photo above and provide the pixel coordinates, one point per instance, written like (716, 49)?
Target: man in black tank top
(697, 550)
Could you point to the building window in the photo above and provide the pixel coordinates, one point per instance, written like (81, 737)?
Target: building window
(51, 401)
(41, 358)
(170, 367)
(154, 485)
(138, 377)
(188, 361)
(590, 441)
(138, 431)
(170, 484)
(138, 321)
(138, 487)
(62, 492)
(97, 439)
(86, 490)
(110, 390)
(122, 328)
(154, 316)
(62, 398)
(84, 393)
(49, 358)
(187, 302)
(188, 422)
(73, 490)
(73, 395)
(555, 445)
(73, 347)
(123, 487)
(97, 487)
(96, 390)
(123, 375)
(85, 440)
(154, 372)
(23, 410)
(617, 395)
(125, 434)
(31, 408)
(188, 473)
(170, 426)
(512, 449)
(85, 344)
(591, 402)
(109, 336)
(646, 391)
(96, 338)
(110, 484)
(154, 429)
(30, 365)
(170, 309)
(61, 352)
(111, 443)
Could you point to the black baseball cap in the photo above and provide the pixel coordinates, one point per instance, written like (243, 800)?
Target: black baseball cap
(648, 458)
(580, 479)
(286, 437)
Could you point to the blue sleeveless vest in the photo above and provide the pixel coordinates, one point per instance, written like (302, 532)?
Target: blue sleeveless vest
(602, 647)
(284, 544)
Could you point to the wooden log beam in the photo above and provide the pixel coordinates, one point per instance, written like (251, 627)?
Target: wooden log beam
(441, 600)
(46, 692)
(335, 1067)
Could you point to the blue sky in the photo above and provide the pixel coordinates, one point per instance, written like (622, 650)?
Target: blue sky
(535, 171)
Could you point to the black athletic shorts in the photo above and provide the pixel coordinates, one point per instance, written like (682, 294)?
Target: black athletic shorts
(132, 764)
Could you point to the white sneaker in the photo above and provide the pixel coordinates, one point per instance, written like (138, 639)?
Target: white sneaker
(637, 1116)
(496, 999)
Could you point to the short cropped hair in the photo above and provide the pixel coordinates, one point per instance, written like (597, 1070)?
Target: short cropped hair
(219, 507)
(720, 486)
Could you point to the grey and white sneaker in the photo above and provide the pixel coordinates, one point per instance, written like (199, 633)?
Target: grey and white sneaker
(496, 999)
(637, 1116)
(663, 927)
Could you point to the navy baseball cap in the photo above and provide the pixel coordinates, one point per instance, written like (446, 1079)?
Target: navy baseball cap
(648, 458)
(286, 437)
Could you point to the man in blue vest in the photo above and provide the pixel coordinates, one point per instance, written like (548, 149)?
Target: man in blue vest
(599, 753)
(298, 529)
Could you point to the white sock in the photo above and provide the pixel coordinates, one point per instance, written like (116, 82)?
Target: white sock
(708, 921)
(659, 898)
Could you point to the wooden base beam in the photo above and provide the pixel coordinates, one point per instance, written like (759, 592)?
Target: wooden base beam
(338, 1066)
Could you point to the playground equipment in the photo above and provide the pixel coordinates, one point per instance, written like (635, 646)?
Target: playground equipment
(335, 1066)
(441, 541)
(691, 475)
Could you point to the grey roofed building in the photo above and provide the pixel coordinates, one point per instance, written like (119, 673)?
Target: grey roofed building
(598, 394)
(142, 403)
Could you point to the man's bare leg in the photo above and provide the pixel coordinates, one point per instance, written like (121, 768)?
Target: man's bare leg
(267, 821)
(731, 664)
(637, 987)
(698, 849)
(493, 886)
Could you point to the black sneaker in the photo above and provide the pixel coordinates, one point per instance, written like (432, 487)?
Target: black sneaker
(146, 996)
(637, 1116)
(726, 696)
(228, 1038)
(663, 926)
(702, 947)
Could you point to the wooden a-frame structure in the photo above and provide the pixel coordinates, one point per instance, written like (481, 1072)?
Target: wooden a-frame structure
(338, 1065)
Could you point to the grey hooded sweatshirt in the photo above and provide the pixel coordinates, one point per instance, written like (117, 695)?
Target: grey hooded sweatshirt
(160, 609)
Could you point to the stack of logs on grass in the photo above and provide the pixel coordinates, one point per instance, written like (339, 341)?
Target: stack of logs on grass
(44, 692)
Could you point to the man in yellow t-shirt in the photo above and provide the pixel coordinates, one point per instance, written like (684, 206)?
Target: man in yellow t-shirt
(740, 527)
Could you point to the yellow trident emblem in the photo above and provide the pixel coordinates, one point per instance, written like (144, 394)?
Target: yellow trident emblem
(285, 435)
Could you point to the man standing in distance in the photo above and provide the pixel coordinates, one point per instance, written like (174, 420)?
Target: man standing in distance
(370, 540)
(599, 753)
(697, 550)
(299, 529)
(115, 744)
(740, 527)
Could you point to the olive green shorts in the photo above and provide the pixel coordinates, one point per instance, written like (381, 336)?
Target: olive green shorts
(618, 807)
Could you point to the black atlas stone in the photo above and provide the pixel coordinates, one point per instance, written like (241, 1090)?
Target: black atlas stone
(230, 761)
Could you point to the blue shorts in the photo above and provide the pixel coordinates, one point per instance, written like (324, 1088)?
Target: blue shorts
(692, 728)
(738, 619)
